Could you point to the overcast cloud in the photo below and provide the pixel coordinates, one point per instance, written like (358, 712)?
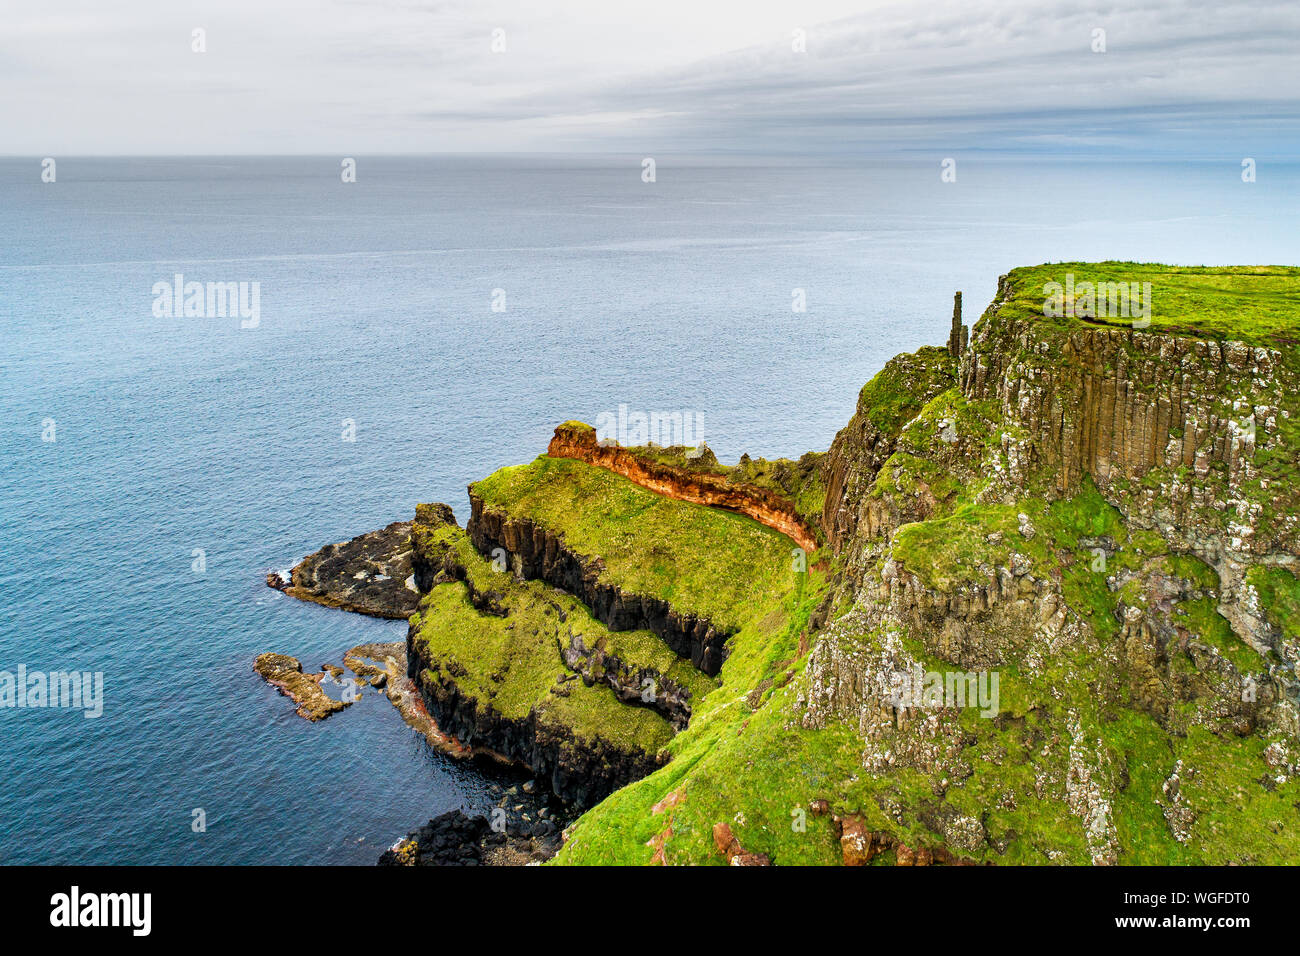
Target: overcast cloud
(1178, 77)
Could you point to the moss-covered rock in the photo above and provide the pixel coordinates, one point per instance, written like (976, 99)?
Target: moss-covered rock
(638, 559)
(885, 405)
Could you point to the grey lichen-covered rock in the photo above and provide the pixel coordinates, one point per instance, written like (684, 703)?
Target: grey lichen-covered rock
(885, 405)
(1190, 437)
(369, 574)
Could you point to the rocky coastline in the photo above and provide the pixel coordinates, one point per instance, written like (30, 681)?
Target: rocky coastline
(574, 774)
(370, 574)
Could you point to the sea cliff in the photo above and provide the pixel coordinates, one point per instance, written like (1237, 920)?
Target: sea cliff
(1090, 519)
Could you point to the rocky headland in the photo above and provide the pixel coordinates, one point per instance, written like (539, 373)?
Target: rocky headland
(713, 664)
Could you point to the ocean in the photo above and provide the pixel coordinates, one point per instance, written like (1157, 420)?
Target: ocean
(415, 330)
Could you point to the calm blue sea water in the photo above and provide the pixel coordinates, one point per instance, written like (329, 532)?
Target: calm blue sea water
(175, 434)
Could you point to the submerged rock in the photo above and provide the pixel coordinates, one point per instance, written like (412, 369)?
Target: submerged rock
(384, 665)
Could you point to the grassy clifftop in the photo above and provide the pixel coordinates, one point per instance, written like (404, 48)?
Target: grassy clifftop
(1147, 698)
(1258, 305)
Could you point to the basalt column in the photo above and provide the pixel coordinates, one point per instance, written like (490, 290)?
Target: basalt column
(959, 335)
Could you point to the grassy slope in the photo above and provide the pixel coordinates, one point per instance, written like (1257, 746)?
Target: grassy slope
(710, 562)
(745, 760)
(890, 399)
(736, 760)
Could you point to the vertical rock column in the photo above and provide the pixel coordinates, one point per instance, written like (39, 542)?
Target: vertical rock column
(957, 338)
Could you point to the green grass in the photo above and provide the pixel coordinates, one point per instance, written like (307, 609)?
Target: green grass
(1279, 596)
(701, 560)
(747, 761)
(1255, 304)
(1143, 699)
(896, 393)
(737, 761)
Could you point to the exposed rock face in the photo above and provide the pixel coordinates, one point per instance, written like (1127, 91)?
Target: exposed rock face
(579, 772)
(1104, 401)
(285, 673)
(370, 574)
(960, 335)
(1183, 435)
(537, 553)
(981, 624)
(453, 839)
(863, 446)
(860, 846)
(701, 488)
(628, 683)
(732, 851)
(427, 554)
(436, 563)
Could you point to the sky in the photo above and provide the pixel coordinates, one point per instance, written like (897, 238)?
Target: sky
(1212, 79)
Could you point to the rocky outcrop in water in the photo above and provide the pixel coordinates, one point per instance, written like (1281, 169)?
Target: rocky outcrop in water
(285, 673)
(369, 574)
(522, 831)
(384, 666)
